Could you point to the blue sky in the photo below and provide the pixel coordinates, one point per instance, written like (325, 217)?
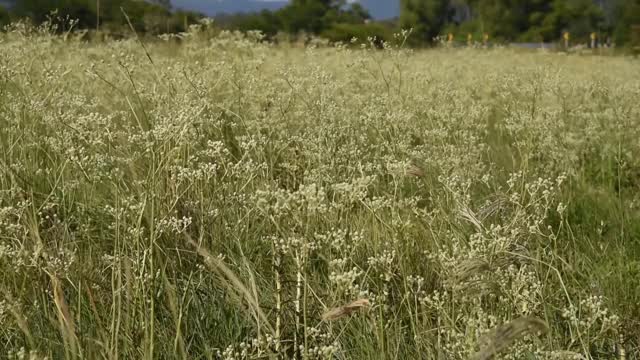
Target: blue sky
(379, 9)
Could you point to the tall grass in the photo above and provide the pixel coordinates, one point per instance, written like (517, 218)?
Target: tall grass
(229, 199)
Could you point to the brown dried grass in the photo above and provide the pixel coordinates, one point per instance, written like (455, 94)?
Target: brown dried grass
(345, 310)
(503, 336)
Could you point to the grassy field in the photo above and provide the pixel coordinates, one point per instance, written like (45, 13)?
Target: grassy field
(227, 199)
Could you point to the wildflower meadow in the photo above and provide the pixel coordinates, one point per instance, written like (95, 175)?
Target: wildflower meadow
(222, 197)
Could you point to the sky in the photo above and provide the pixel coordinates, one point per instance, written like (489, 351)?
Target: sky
(379, 9)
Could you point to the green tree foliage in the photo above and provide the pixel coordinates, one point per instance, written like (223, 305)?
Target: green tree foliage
(537, 20)
(628, 20)
(266, 21)
(39, 10)
(579, 17)
(426, 17)
(305, 15)
(503, 20)
(508, 20)
(315, 16)
(152, 17)
(308, 16)
(5, 18)
(164, 3)
(346, 32)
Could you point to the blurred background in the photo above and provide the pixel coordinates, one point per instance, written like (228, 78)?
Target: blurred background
(587, 22)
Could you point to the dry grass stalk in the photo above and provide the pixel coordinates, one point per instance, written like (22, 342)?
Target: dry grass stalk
(414, 170)
(176, 312)
(505, 335)
(467, 277)
(67, 324)
(467, 214)
(277, 269)
(493, 207)
(346, 310)
(233, 283)
(566, 354)
(61, 305)
(20, 320)
(622, 354)
(469, 268)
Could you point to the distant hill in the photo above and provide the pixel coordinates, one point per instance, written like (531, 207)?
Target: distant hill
(379, 9)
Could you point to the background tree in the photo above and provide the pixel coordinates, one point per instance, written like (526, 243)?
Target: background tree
(266, 21)
(512, 15)
(508, 20)
(314, 16)
(164, 3)
(426, 17)
(152, 17)
(304, 15)
(627, 14)
(355, 14)
(5, 18)
(309, 16)
(579, 17)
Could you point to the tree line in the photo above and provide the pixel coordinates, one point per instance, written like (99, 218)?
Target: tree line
(340, 20)
(523, 20)
(153, 17)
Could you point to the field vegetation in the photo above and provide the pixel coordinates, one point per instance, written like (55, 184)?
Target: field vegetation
(226, 198)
